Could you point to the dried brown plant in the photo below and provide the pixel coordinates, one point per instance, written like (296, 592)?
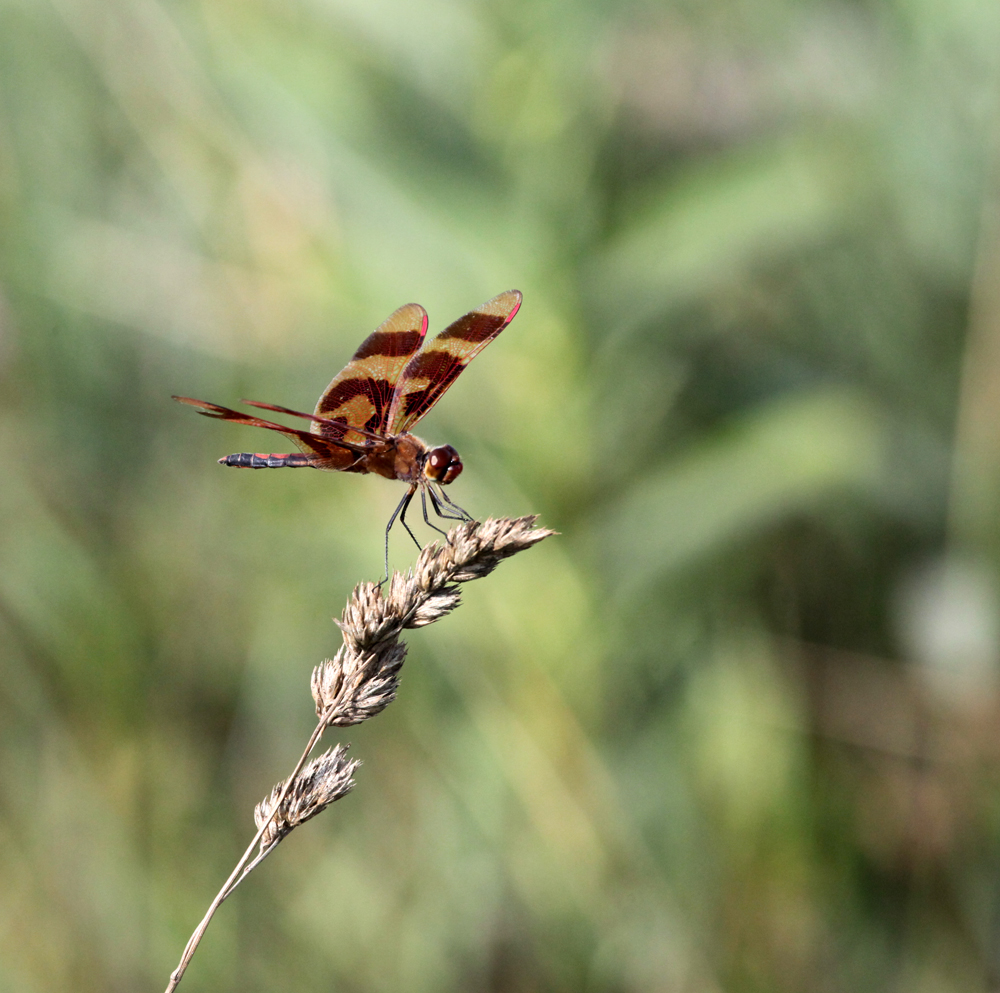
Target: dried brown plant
(363, 677)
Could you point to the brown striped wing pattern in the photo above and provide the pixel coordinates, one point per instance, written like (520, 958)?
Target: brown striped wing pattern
(361, 395)
(323, 454)
(432, 370)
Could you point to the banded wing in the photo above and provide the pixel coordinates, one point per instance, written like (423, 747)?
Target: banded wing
(360, 395)
(323, 452)
(431, 371)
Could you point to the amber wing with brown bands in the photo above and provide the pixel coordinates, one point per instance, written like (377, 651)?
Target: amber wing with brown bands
(362, 392)
(431, 371)
(322, 453)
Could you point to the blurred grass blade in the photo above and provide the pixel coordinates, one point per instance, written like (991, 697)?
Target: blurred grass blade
(704, 230)
(787, 457)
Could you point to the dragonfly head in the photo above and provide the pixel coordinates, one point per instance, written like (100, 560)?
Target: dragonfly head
(443, 464)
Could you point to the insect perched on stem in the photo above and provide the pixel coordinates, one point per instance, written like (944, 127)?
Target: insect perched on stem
(362, 421)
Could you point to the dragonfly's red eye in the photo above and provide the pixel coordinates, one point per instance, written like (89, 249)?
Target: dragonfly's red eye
(443, 464)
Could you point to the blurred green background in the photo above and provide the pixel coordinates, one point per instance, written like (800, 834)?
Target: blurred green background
(737, 728)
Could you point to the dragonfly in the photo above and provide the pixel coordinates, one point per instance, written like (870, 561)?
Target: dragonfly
(363, 419)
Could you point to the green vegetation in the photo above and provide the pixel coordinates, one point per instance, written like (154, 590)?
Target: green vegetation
(735, 729)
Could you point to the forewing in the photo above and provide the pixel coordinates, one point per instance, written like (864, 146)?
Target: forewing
(321, 451)
(431, 371)
(360, 395)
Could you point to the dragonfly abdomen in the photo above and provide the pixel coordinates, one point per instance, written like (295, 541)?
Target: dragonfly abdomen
(245, 460)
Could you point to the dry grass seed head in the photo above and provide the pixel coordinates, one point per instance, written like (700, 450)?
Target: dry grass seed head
(363, 676)
(326, 779)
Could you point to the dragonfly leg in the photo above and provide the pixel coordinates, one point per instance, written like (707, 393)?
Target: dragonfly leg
(463, 515)
(402, 519)
(423, 505)
(442, 512)
(399, 512)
